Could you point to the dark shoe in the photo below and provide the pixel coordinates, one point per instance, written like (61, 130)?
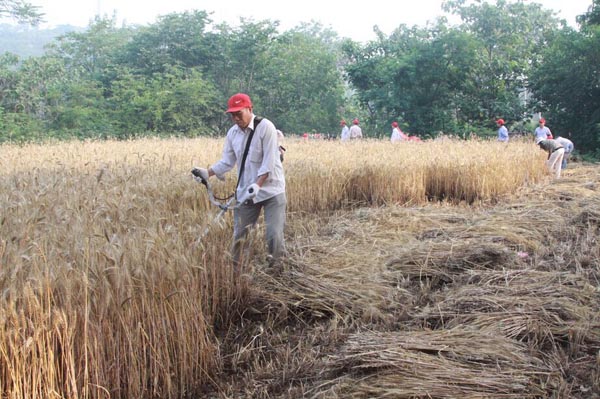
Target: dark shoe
(270, 260)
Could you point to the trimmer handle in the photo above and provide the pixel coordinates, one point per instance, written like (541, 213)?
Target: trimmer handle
(198, 175)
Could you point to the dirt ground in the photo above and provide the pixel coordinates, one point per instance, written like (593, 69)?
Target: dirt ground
(496, 300)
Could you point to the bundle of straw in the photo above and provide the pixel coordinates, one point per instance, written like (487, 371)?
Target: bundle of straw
(450, 363)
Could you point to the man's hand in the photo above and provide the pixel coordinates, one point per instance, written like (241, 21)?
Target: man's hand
(250, 192)
(201, 173)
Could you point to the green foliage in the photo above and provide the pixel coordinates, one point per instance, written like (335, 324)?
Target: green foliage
(419, 77)
(453, 80)
(297, 95)
(92, 54)
(301, 96)
(29, 95)
(177, 101)
(82, 112)
(174, 40)
(567, 86)
(592, 17)
(506, 59)
(18, 127)
(21, 11)
(509, 36)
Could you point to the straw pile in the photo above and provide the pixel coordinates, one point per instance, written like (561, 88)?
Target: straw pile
(450, 363)
(529, 306)
(495, 301)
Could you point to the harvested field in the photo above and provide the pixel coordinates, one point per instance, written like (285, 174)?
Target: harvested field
(438, 284)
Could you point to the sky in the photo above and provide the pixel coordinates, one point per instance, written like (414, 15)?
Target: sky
(350, 18)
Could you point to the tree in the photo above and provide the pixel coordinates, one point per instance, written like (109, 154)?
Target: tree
(453, 79)
(179, 101)
(511, 37)
(28, 95)
(417, 76)
(238, 55)
(94, 52)
(175, 39)
(567, 85)
(20, 10)
(592, 17)
(301, 96)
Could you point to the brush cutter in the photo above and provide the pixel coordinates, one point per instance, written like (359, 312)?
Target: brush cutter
(232, 202)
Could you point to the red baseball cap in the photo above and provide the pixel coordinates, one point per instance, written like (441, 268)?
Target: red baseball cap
(237, 102)
(342, 123)
(355, 121)
(394, 124)
(542, 120)
(500, 121)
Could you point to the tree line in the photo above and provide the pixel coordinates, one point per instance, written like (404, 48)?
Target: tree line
(510, 60)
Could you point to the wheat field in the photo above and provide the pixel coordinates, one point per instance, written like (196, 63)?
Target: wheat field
(106, 291)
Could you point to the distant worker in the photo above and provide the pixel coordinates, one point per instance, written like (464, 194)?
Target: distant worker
(345, 135)
(555, 152)
(397, 134)
(355, 131)
(502, 131)
(569, 147)
(542, 132)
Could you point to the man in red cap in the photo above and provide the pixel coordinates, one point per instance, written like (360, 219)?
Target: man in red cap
(502, 131)
(253, 141)
(355, 130)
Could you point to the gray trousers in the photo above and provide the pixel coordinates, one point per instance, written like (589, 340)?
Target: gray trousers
(247, 215)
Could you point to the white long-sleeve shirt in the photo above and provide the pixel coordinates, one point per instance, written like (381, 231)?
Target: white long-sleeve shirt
(503, 133)
(568, 144)
(262, 158)
(345, 133)
(397, 135)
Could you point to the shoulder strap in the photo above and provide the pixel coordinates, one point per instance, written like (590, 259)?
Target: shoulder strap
(257, 120)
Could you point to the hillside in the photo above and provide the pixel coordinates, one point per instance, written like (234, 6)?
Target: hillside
(26, 41)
